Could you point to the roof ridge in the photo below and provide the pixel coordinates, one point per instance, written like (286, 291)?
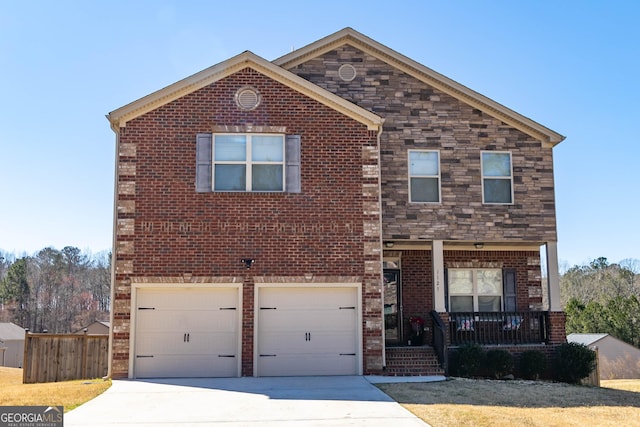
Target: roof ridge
(459, 91)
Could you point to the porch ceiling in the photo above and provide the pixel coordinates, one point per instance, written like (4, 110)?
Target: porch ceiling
(462, 245)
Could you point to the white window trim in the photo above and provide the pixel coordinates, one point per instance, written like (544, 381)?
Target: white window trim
(474, 281)
(438, 176)
(248, 162)
(510, 177)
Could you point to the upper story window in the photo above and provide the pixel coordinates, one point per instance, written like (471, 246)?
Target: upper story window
(424, 176)
(248, 162)
(497, 177)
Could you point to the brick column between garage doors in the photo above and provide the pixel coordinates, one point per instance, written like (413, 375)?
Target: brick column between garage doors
(247, 330)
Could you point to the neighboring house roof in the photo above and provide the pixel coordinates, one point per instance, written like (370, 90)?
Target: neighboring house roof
(464, 94)
(121, 116)
(97, 322)
(11, 331)
(586, 339)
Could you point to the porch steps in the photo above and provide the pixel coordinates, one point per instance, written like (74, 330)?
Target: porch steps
(409, 361)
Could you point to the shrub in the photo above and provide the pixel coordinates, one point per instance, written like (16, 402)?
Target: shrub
(469, 359)
(573, 362)
(532, 364)
(499, 363)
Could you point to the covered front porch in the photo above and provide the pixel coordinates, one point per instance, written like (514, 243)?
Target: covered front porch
(446, 294)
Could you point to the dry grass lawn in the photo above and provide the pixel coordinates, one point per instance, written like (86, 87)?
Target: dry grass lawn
(628, 385)
(464, 402)
(69, 394)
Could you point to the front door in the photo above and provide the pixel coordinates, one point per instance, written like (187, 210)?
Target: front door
(392, 307)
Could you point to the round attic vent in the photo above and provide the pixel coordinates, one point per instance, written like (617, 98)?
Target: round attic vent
(347, 72)
(247, 98)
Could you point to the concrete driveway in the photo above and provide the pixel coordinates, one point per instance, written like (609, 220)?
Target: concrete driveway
(290, 401)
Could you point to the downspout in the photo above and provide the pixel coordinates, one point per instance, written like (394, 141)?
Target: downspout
(113, 248)
(384, 352)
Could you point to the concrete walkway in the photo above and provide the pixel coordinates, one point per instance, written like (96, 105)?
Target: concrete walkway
(289, 401)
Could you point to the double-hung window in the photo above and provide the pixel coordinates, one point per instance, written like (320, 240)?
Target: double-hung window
(424, 176)
(244, 162)
(248, 162)
(475, 290)
(497, 177)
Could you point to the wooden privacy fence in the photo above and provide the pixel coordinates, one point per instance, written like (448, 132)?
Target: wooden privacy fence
(63, 357)
(594, 377)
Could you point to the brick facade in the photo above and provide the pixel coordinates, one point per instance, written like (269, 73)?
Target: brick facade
(558, 333)
(167, 231)
(418, 116)
(354, 194)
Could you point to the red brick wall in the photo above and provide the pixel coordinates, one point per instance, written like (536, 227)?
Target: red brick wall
(248, 290)
(557, 331)
(177, 232)
(417, 289)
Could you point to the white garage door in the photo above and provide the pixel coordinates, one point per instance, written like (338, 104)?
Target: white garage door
(307, 331)
(186, 332)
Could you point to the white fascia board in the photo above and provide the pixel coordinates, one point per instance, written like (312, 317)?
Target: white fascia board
(119, 117)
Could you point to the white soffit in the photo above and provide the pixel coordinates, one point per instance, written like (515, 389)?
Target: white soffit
(427, 75)
(119, 117)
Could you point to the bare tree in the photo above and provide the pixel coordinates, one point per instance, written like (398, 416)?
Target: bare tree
(55, 290)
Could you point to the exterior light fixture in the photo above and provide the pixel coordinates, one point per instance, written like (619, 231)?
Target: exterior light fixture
(479, 245)
(248, 262)
(388, 244)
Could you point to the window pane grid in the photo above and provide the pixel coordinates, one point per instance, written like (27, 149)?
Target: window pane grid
(424, 176)
(248, 162)
(497, 177)
(475, 290)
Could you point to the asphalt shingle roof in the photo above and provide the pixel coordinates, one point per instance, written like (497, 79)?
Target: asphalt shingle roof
(11, 331)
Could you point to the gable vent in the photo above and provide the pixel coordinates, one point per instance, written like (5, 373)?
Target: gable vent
(247, 98)
(347, 72)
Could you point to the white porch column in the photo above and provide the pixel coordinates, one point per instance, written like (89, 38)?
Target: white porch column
(553, 276)
(437, 260)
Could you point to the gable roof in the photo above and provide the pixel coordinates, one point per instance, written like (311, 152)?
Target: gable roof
(586, 339)
(10, 331)
(122, 115)
(427, 75)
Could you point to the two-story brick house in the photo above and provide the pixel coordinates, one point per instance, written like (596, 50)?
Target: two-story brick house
(291, 217)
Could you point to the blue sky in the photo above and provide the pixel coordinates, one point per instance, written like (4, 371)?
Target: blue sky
(570, 65)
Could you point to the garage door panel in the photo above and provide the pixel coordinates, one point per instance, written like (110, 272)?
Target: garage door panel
(175, 366)
(162, 320)
(187, 298)
(285, 343)
(174, 322)
(290, 297)
(198, 343)
(213, 343)
(313, 364)
(186, 332)
(329, 319)
(342, 342)
(307, 331)
(156, 344)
